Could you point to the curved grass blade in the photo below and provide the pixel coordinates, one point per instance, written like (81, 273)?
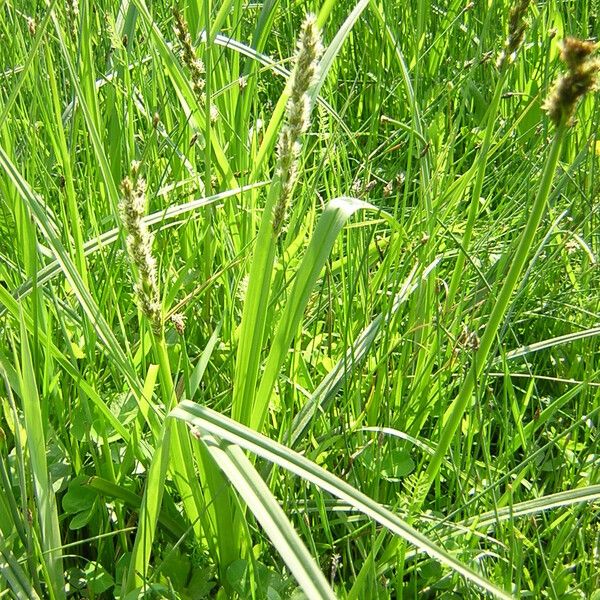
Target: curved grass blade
(588, 494)
(162, 217)
(275, 67)
(259, 499)
(334, 217)
(212, 422)
(549, 343)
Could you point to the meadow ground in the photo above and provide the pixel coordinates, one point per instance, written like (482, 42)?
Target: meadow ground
(285, 319)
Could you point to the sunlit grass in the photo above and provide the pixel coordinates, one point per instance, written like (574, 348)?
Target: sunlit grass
(366, 368)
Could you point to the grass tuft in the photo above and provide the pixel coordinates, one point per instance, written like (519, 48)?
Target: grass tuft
(341, 338)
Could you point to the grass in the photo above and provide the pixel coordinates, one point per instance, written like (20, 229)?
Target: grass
(395, 395)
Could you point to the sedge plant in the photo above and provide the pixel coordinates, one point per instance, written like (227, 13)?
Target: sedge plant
(341, 351)
(560, 106)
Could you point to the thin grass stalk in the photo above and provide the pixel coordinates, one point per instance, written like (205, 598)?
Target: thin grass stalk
(560, 106)
(173, 454)
(173, 451)
(206, 508)
(455, 412)
(516, 33)
(69, 190)
(209, 108)
(482, 161)
(23, 526)
(149, 513)
(210, 115)
(49, 551)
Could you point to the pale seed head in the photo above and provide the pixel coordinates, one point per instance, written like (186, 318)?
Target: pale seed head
(304, 74)
(189, 57)
(139, 245)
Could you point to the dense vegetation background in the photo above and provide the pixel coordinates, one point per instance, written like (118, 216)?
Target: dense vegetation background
(389, 453)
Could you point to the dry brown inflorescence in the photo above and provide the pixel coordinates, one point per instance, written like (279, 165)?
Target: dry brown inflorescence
(579, 79)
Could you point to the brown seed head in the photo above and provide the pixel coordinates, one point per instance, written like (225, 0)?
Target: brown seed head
(575, 53)
(578, 81)
(516, 32)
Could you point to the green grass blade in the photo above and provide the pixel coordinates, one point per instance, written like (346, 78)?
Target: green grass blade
(88, 304)
(331, 222)
(16, 578)
(332, 382)
(252, 328)
(162, 218)
(214, 423)
(259, 499)
(139, 563)
(37, 432)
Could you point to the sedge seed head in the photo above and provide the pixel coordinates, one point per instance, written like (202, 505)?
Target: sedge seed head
(574, 53)
(297, 114)
(139, 246)
(517, 25)
(580, 78)
(189, 57)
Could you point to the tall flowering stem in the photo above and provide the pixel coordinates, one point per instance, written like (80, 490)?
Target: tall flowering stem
(245, 406)
(139, 246)
(517, 26)
(297, 115)
(579, 79)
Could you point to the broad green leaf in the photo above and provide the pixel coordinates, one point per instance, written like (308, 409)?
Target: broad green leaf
(334, 217)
